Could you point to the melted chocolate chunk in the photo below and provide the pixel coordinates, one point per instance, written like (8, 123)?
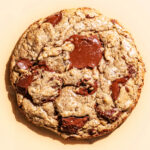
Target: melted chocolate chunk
(24, 64)
(87, 51)
(23, 83)
(109, 115)
(54, 19)
(70, 125)
(116, 88)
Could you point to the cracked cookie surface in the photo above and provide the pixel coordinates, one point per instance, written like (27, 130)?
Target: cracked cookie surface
(77, 73)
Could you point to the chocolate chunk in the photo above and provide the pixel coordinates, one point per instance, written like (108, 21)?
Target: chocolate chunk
(127, 89)
(89, 17)
(24, 64)
(51, 99)
(116, 88)
(114, 21)
(95, 86)
(24, 82)
(109, 115)
(41, 65)
(87, 51)
(71, 125)
(91, 131)
(84, 90)
(131, 69)
(54, 19)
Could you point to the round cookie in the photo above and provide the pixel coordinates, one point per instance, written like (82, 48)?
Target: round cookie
(77, 73)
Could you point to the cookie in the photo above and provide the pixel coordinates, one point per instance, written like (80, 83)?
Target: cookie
(77, 73)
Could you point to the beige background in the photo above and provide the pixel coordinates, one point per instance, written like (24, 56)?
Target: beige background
(15, 132)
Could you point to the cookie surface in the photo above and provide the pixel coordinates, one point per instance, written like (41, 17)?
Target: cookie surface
(77, 73)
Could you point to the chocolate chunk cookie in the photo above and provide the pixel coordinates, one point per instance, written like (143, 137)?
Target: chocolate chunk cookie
(77, 73)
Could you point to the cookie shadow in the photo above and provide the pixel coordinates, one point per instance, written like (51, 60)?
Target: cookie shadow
(41, 131)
